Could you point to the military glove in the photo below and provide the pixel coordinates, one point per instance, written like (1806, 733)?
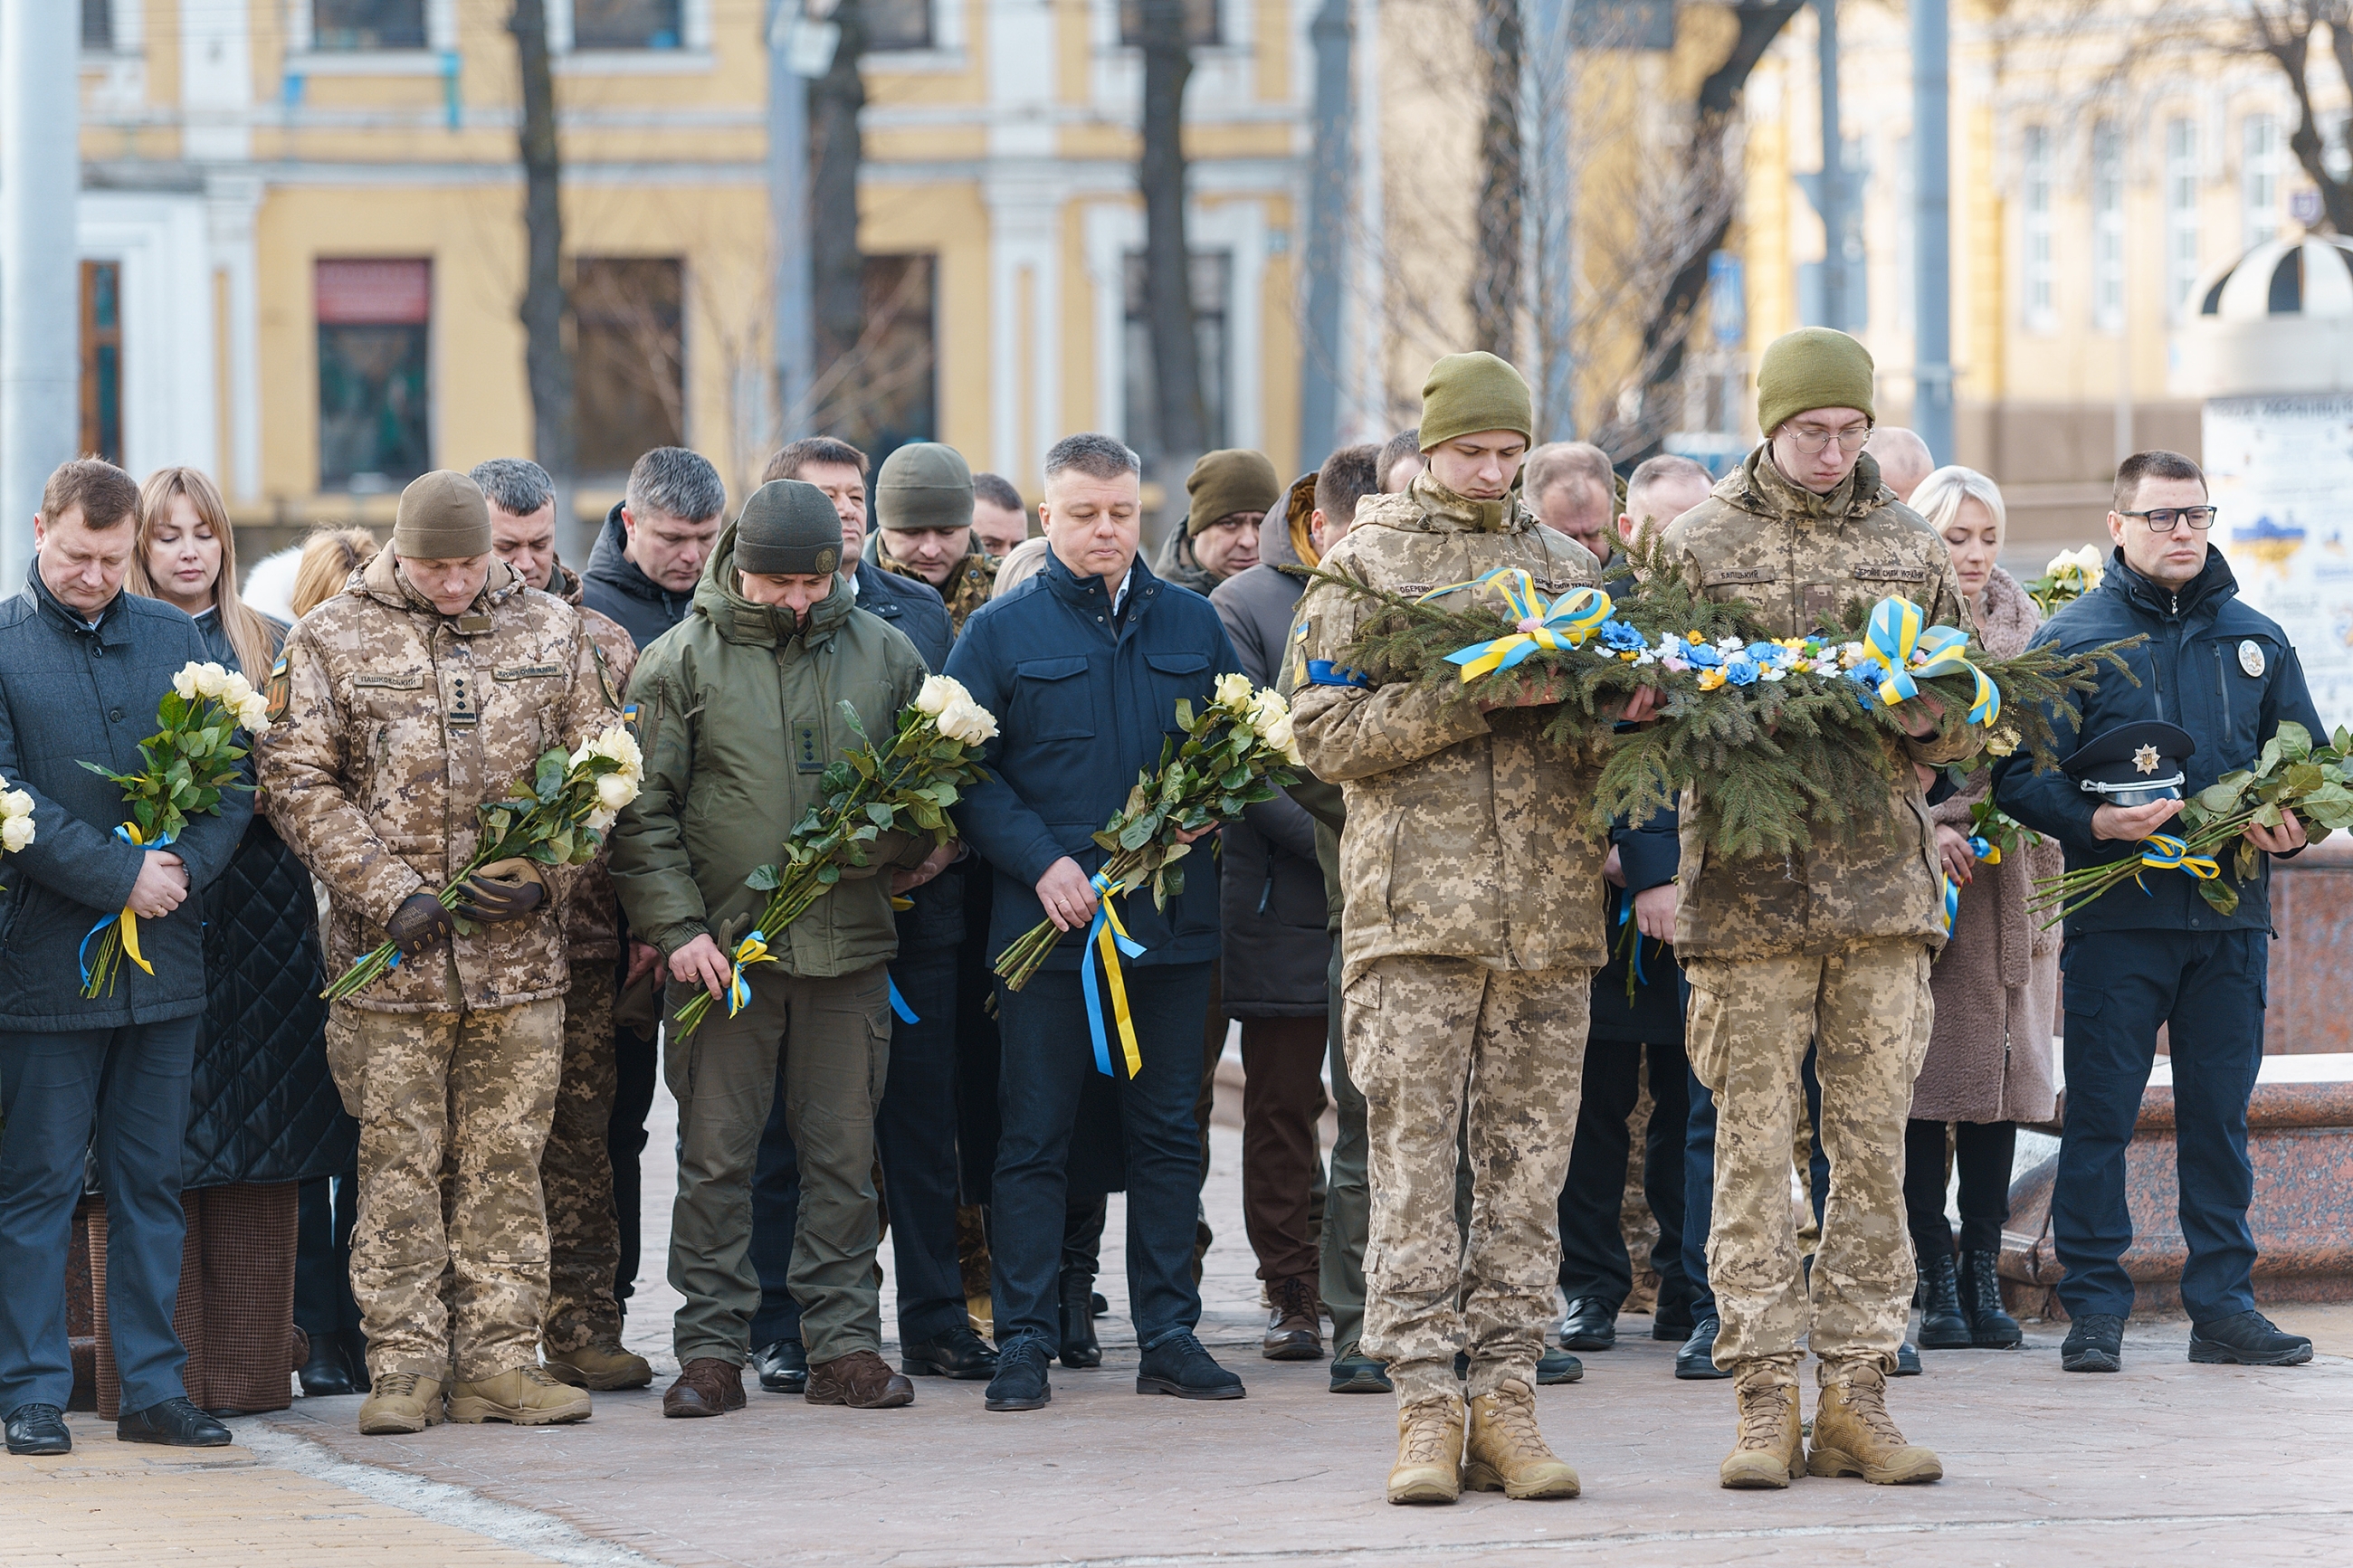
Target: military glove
(418, 924)
(502, 891)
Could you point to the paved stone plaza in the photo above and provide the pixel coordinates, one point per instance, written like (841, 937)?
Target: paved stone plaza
(2166, 1462)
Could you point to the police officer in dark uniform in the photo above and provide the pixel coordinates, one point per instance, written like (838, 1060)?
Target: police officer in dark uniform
(2222, 679)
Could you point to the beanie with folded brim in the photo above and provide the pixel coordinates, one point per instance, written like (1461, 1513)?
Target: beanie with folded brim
(788, 529)
(1467, 394)
(1813, 367)
(1223, 483)
(923, 485)
(442, 517)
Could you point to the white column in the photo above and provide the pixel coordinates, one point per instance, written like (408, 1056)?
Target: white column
(40, 286)
(216, 81)
(231, 203)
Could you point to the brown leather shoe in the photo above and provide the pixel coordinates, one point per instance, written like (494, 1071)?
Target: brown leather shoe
(706, 1386)
(862, 1380)
(1293, 1327)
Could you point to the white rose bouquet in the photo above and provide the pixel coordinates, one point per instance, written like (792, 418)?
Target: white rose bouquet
(16, 819)
(2070, 574)
(1237, 751)
(190, 762)
(557, 815)
(907, 786)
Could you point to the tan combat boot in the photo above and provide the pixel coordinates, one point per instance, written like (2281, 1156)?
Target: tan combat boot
(1430, 1452)
(600, 1364)
(1768, 1453)
(1507, 1452)
(1853, 1435)
(401, 1402)
(525, 1397)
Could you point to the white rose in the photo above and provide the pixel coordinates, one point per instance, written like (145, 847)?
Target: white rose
(254, 712)
(1277, 734)
(210, 679)
(1233, 690)
(966, 722)
(935, 695)
(15, 803)
(185, 683)
(15, 833)
(600, 819)
(1266, 707)
(616, 742)
(615, 791)
(236, 689)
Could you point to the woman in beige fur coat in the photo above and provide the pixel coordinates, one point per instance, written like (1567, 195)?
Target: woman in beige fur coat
(1989, 1065)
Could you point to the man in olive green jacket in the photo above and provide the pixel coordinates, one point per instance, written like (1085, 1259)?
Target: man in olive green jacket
(739, 713)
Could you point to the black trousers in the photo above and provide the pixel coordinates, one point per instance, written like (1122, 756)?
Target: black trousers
(1982, 1154)
(637, 1062)
(1593, 1260)
(325, 1210)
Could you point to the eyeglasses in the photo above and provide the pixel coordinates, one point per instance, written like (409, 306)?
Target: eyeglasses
(1810, 440)
(2161, 519)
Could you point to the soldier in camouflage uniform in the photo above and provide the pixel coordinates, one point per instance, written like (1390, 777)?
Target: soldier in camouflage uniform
(427, 687)
(1831, 945)
(1470, 939)
(923, 526)
(581, 1337)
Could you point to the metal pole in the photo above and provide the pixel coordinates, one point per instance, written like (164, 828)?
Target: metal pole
(1832, 203)
(1549, 54)
(1327, 222)
(40, 286)
(794, 332)
(1932, 353)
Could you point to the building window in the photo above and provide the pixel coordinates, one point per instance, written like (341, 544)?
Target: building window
(886, 393)
(98, 24)
(626, 24)
(1200, 22)
(2108, 226)
(2042, 305)
(367, 24)
(1212, 293)
(374, 319)
(101, 360)
(630, 359)
(2180, 212)
(897, 24)
(2259, 179)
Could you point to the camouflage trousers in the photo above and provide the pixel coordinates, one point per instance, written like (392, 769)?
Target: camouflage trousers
(1447, 1048)
(475, 1090)
(583, 1231)
(1866, 1007)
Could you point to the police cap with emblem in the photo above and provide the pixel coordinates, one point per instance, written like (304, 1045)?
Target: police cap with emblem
(2133, 764)
(788, 529)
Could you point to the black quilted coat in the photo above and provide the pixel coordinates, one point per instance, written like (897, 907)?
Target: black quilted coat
(262, 1106)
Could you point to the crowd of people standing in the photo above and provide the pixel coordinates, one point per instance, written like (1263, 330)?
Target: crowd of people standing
(428, 1192)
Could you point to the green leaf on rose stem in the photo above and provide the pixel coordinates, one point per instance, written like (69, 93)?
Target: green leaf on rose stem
(864, 834)
(545, 855)
(927, 816)
(856, 725)
(560, 846)
(1138, 833)
(2244, 861)
(547, 778)
(880, 814)
(2221, 895)
(2302, 778)
(763, 879)
(828, 873)
(2295, 741)
(2220, 797)
(1184, 713)
(1173, 879)
(2342, 740)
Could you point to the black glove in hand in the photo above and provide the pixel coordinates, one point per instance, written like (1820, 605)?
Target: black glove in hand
(502, 891)
(418, 924)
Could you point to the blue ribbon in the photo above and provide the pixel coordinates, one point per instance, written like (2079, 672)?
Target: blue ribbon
(898, 1004)
(123, 830)
(1324, 672)
(1104, 925)
(1625, 913)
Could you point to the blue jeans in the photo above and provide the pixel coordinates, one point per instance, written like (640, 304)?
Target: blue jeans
(1046, 1058)
(2209, 988)
(126, 1091)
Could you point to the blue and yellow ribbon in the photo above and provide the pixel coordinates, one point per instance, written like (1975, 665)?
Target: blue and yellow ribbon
(1564, 623)
(129, 833)
(2170, 852)
(1109, 939)
(1902, 646)
(752, 950)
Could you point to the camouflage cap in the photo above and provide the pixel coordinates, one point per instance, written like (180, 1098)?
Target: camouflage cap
(925, 484)
(442, 517)
(788, 528)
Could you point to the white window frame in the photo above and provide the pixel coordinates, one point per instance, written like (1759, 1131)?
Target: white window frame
(2108, 226)
(2182, 225)
(2259, 167)
(2038, 270)
(305, 58)
(691, 57)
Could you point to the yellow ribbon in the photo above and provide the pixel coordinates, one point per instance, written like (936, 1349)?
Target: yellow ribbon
(2170, 852)
(1111, 939)
(1899, 642)
(752, 950)
(130, 830)
(1560, 626)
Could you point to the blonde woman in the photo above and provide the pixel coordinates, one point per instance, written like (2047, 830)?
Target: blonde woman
(263, 1112)
(330, 556)
(1989, 1065)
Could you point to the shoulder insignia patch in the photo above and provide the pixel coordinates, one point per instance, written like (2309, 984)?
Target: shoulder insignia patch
(280, 686)
(605, 678)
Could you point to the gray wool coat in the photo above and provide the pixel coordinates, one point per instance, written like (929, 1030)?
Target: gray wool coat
(1997, 982)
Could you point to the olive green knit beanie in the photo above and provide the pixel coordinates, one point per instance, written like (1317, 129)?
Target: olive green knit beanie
(1223, 483)
(1470, 393)
(788, 529)
(442, 517)
(924, 484)
(1813, 367)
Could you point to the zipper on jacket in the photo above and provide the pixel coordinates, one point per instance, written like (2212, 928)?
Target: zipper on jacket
(2223, 685)
(1266, 894)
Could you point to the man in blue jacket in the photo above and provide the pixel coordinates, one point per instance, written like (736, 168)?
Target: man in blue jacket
(2155, 952)
(82, 667)
(1083, 666)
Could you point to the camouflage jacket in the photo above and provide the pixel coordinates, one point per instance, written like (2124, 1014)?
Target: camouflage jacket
(1466, 834)
(968, 587)
(592, 922)
(1800, 559)
(396, 721)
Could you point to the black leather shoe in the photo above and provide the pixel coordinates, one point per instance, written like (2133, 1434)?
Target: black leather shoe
(1942, 1325)
(176, 1423)
(1559, 1366)
(1991, 1328)
(38, 1429)
(1592, 1325)
(2247, 1339)
(1907, 1360)
(325, 1374)
(1178, 1366)
(2096, 1342)
(1096, 1305)
(783, 1367)
(1354, 1371)
(1080, 1348)
(959, 1354)
(1020, 1383)
(1697, 1358)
